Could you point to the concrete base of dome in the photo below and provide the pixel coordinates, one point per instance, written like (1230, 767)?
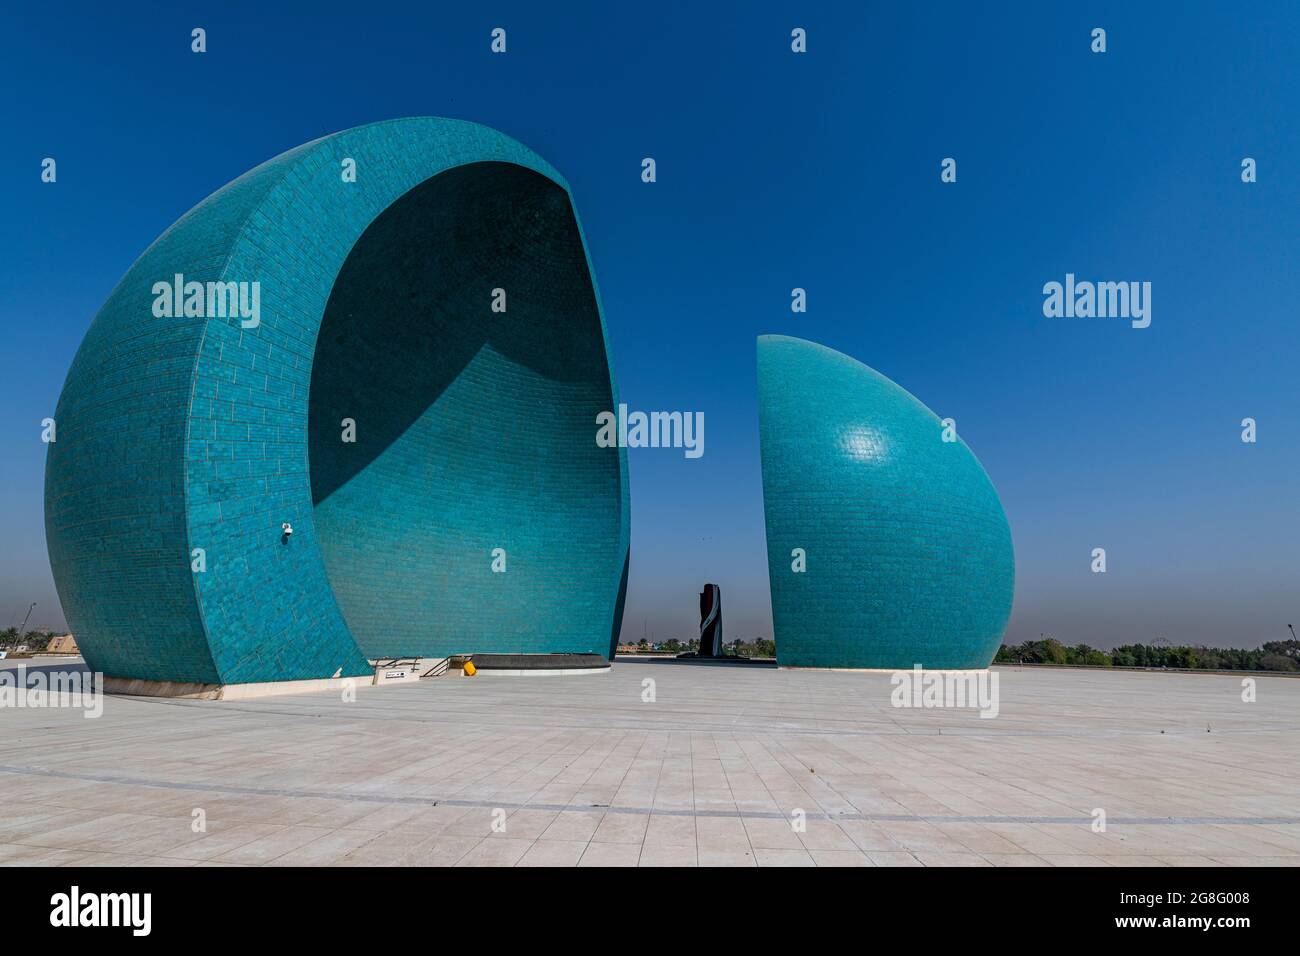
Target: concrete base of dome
(542, 671)
(882, 670)
(132, 687)
(539, 665)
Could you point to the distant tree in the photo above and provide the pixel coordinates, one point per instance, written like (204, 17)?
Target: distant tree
(1274, 655)
(1288, 648)
(1212, 658)
(1082, 654)
(1277, 662)
(1049, 651)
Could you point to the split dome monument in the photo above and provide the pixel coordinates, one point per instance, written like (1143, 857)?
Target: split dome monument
(903, 550)
(343, 410)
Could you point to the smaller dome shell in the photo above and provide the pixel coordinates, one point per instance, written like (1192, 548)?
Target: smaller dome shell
(887, 545)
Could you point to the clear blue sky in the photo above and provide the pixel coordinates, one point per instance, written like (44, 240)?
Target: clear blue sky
(776, 170)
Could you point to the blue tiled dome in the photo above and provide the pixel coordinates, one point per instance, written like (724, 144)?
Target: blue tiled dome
(906, 547)
(475, 429)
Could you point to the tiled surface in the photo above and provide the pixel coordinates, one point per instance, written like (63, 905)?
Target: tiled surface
(585, 774)
(185, 432)
(474, 430)
(907, 551)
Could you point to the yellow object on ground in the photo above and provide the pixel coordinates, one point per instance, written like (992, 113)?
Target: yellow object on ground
(470, 669)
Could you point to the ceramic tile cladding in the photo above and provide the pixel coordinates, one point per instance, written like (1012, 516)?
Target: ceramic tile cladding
(907, 551)
(474, 429)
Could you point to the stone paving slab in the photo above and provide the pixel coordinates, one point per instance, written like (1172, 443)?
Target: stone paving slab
(581, 771)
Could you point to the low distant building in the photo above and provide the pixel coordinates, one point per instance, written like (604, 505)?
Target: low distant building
(66, 644)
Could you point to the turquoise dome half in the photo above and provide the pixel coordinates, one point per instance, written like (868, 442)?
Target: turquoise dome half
(906, 551)
(412, 392)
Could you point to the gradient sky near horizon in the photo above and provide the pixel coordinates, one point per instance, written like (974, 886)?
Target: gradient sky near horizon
(776, 170)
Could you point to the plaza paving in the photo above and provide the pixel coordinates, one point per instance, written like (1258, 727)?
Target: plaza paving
(585, 773)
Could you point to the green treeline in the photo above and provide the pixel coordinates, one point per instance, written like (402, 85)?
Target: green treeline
(1273, 656)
